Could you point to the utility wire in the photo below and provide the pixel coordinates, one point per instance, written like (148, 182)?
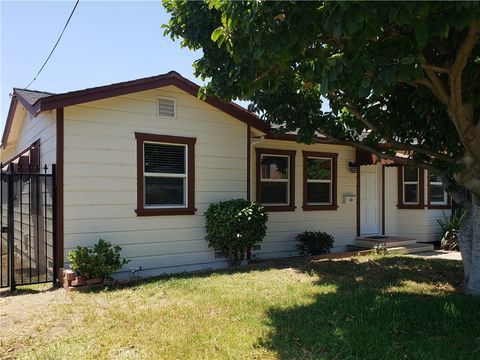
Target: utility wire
(55, 46)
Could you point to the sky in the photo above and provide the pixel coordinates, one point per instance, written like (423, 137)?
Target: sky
(105, 42)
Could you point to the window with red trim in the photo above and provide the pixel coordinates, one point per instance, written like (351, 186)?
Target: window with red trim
(319, 181)
(165, 175)
(411, 187)
(276, 179)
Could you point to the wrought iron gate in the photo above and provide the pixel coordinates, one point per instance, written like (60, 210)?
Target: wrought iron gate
(28, 214)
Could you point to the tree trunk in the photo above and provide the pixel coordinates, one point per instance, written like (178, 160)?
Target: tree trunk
(470, 247)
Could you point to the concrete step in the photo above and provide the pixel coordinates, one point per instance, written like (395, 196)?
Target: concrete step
(410, 249)
(389, 241)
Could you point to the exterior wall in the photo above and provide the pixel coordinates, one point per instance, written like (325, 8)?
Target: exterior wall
(284, 226)
(420, 224)
(100, 180)
(31, 129)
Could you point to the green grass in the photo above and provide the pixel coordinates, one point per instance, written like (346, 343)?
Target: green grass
(368, 307)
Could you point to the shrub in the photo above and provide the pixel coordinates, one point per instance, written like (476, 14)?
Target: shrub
(99, 262)
(450, 226)
(234, 226)
(314, 242)
(81, 261)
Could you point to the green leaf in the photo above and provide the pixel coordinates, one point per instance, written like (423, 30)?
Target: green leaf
(407, 60)
(352, 24)
(389, 75)
(221, 39)
(216, 33)
(366, 82)
(422, 35)
(337, 30)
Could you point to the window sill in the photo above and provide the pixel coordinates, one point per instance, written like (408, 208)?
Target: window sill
(439, 206)
(403, 206)
(279, 208)
(319, 207)
(161, 212)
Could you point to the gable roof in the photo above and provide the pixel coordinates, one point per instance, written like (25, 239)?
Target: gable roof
(38, 101)
(31, 96)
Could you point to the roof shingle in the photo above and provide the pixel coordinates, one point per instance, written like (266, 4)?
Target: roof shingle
(31, 96)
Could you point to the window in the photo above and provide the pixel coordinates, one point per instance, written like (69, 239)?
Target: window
(410, 187)
(437, 197)
(165, 175)
(275, 179)
(319, 181)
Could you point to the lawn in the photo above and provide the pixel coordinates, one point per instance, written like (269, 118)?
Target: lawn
(366, 307)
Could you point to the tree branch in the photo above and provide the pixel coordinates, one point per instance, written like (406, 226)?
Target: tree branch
(456, 195)
(437, 69)
(424, 82)
(449, 187)
(438, 88)
(465, 50)
(456, 70)
(395, 144)
(464, 123)
(265, 74)
(397, 159)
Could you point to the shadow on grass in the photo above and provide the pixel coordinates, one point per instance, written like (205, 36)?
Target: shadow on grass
(385, 308)
(28, 289)
(294, 262)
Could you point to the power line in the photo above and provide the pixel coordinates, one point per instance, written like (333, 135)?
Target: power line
(54, 47)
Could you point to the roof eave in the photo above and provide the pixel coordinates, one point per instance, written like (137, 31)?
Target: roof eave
(171, 78)
(102, 92)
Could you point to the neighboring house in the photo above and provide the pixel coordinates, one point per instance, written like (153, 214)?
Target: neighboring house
(139, 162)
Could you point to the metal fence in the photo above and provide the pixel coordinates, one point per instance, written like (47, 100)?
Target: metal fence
(28, 214)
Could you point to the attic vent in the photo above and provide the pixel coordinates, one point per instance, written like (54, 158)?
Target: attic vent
(166, 107)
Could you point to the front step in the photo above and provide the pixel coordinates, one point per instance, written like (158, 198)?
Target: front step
(411, 249)
(388, 241)
(394, 244)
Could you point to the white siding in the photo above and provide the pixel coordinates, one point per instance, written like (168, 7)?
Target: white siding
(101, 183)
(284, 226)
(420, 224)
(28, 129)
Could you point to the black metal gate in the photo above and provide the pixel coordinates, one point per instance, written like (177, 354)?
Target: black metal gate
(28, 214)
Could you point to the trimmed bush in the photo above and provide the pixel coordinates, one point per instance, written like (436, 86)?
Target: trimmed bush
(100, 262)
(234, 226)
(314, 242)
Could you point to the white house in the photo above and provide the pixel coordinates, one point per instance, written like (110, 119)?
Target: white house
(139, 162)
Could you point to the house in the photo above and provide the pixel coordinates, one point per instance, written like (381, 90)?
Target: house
(138, 162)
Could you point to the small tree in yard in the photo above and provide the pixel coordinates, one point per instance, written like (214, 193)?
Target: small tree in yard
(234, 226)
(404, 74)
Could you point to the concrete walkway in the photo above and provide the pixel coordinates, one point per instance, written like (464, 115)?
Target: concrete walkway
(440, 254)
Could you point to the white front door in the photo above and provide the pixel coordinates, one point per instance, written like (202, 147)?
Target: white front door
(369, 200)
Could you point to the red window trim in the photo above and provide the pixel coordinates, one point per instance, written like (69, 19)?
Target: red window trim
(190, 142)
(334, 204)
(291, 154)
(421, 192)
(448, 205)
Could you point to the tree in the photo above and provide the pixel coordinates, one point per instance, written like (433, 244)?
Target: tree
(398, 76)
